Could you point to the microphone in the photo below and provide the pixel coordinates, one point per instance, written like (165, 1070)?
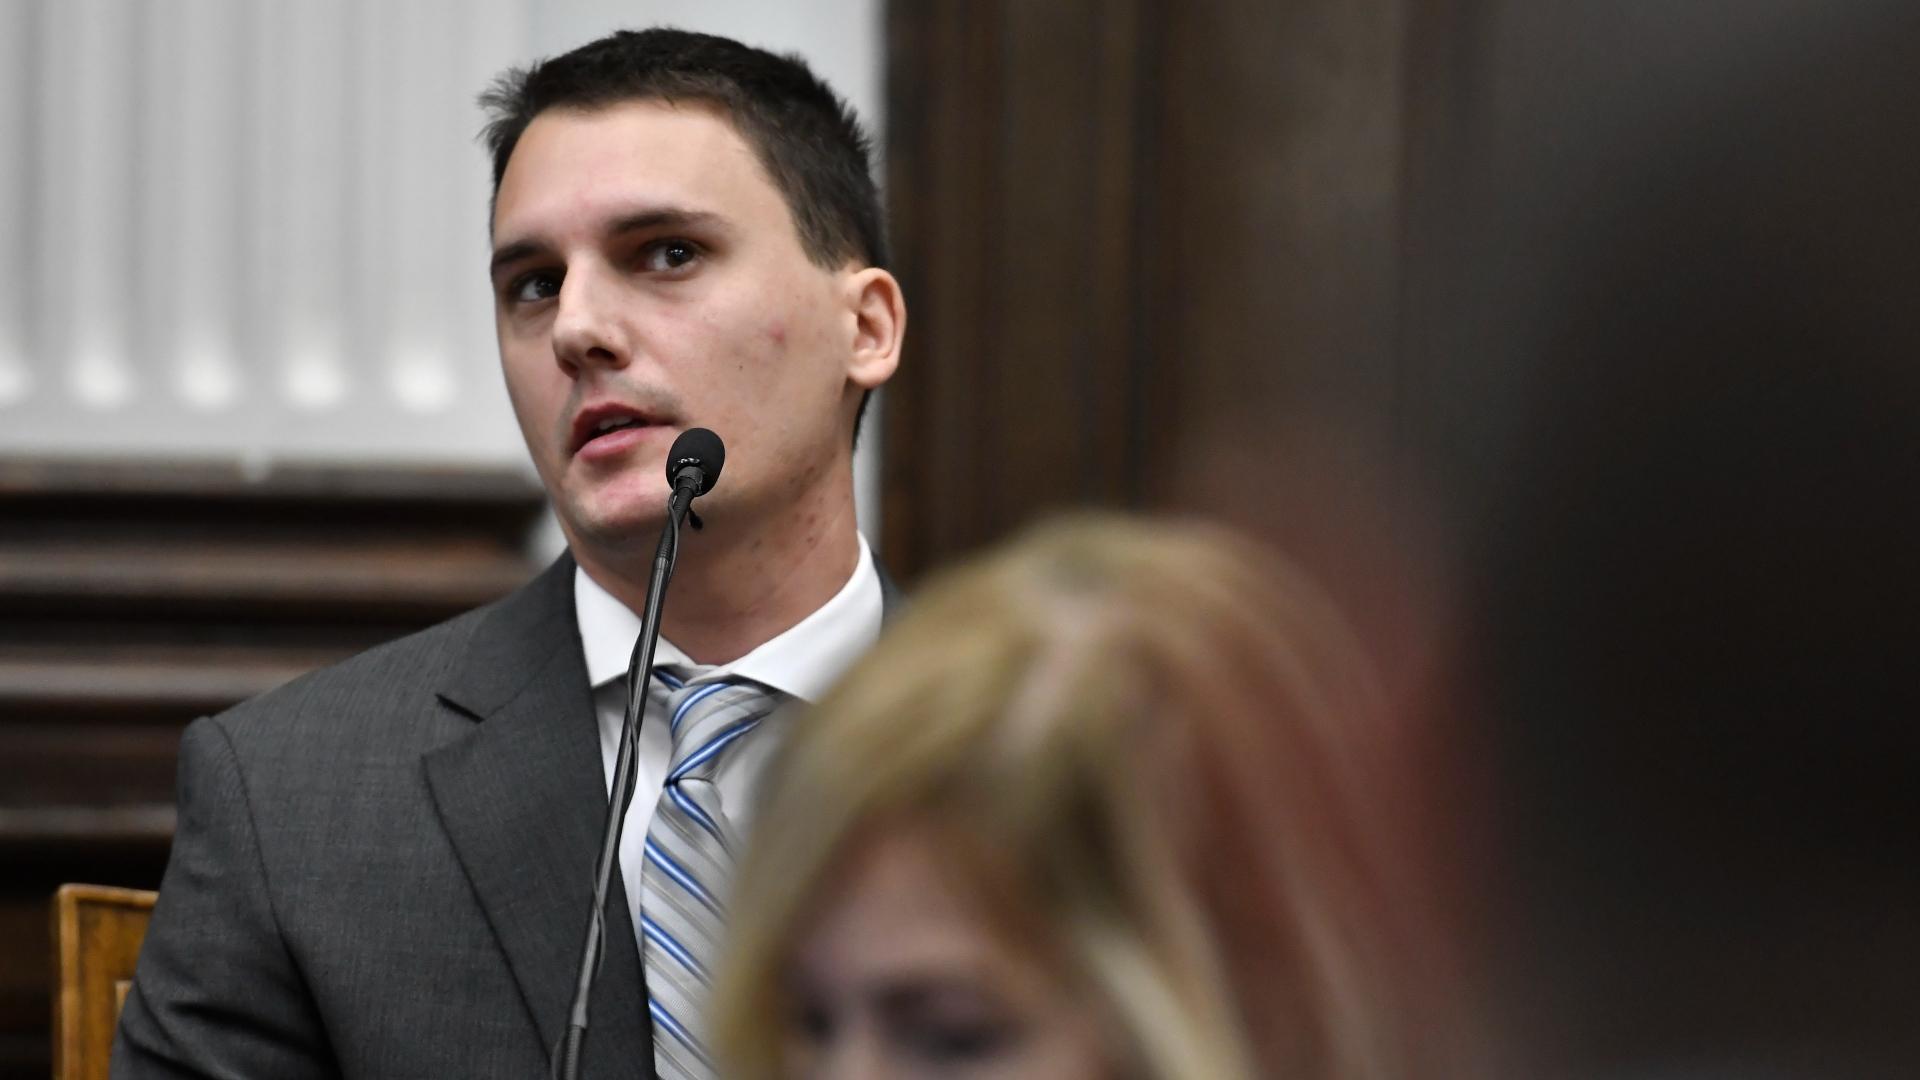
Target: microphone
(693, 467)
(695, 460)
(699, 453)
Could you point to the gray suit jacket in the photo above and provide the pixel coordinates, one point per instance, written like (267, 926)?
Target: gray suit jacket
(383, 869)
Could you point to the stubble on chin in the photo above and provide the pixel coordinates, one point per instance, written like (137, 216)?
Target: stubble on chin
(617, 524)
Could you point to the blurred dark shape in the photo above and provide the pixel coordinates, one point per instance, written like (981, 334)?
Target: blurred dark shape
(1689, 260)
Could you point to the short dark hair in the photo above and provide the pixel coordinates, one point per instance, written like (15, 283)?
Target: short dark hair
(805, 136)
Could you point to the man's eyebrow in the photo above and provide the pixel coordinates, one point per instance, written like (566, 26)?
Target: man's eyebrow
(638, 221)
(664, 216)
(513, 253)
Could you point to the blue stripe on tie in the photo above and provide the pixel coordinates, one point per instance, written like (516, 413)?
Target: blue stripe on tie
(665, 1019)
(698, 695)
(672, 682)
(693, 811)
(718, 744)
(679, 873)
(659, 936)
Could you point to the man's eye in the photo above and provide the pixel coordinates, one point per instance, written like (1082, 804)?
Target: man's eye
(669, 255)
(534, 287)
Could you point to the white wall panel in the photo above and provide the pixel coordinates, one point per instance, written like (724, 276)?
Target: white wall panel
(86, 158)
(188, 234)
(17, 41)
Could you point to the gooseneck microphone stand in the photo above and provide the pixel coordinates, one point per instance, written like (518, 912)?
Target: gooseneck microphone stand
(693, 465)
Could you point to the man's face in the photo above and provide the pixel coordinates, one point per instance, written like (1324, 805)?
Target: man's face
(648, 278)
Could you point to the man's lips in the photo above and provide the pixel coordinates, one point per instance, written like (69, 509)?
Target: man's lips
(599, 428)
(616, 444)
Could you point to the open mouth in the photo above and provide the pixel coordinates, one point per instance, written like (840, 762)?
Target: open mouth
(612, 424)
(607, 427)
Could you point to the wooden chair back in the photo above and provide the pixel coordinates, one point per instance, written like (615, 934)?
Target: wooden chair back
(97, 931)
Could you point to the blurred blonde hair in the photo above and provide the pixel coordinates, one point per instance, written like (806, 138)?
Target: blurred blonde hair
(1151, 747)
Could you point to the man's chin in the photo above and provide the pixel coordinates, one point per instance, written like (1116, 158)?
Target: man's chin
(631, 529)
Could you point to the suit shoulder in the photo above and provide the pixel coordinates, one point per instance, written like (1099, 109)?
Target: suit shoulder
(366, 694)
(384, 671)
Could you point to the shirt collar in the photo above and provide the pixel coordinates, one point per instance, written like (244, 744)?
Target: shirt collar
(803, 661)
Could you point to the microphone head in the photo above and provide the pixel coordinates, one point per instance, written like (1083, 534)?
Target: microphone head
(697, 448)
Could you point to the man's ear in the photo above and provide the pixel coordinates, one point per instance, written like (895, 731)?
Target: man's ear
(879, 325)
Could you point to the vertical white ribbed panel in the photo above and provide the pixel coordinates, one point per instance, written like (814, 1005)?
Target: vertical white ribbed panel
(422, 241)
(17, 80)
(493, 29)
(301, 163)
(190, 235)
(86, 159)
(252, 229)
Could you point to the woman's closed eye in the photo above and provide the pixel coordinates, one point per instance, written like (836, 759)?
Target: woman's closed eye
(949, 1027)
(958, 1043)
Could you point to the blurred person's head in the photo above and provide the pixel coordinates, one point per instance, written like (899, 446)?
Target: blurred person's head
(1114, 801)
(686, 233)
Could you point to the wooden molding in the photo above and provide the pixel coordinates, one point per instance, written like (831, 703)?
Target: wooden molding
(97, 935)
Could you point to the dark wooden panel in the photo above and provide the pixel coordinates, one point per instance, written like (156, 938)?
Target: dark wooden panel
(1276, 220)
(24, 978)
(944, 71)
(136, 597)
(112, 678)
(1150, 250)
(349, 576)
(1062, 380)
(1013, 138)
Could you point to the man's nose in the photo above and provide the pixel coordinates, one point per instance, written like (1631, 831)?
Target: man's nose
(587, 329)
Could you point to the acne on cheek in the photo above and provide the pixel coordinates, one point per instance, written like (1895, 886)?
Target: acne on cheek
(777, 334)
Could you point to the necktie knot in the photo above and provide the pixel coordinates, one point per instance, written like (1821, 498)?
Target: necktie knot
(707, 718)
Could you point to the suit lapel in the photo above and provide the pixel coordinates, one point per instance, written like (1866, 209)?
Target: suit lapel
(522, 798)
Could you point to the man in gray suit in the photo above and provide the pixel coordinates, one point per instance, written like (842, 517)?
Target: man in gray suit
(384, 869)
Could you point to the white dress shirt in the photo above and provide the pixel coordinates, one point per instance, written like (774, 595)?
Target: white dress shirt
(803, 663)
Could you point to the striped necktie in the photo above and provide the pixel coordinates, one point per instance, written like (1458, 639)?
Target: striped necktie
(690, 849)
